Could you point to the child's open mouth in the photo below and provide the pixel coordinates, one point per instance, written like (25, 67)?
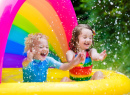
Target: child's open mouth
(43, 54)
(86, 44)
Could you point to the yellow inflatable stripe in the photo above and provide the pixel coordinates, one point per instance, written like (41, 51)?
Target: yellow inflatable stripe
(79, 65)
(113, 84)
(81, 76)
(24, 24)
(27, 26)
(53, 19)
(30, 13)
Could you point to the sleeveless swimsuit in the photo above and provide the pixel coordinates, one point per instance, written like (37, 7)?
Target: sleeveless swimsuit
(82, 72)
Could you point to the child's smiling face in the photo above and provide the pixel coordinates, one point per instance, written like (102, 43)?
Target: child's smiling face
(85, 39)
(41, 49)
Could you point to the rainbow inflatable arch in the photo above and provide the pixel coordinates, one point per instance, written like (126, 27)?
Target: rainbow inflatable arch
(56, 19)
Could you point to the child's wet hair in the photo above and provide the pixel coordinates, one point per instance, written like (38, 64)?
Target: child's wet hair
(32, 39)
(75, 33)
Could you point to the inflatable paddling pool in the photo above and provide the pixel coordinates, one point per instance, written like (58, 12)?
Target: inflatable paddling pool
(112, 84)
(56, 19)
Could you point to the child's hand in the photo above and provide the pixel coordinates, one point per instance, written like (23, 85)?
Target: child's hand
(78, 59)
(30, 54)
(102, 55)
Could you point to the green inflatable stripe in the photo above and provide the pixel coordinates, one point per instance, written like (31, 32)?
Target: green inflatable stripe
(52, 49)
(27, 26)
(24, 24)
(80, 79)
(88, 64)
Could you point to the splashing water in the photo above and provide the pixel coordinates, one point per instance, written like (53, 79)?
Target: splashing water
(111, 22)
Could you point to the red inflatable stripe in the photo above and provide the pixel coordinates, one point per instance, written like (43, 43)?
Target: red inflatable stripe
(81, 70)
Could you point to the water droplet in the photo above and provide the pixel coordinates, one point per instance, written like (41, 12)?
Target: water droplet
(107, 84)
(111, 3)
(127, 39)
(104, 63)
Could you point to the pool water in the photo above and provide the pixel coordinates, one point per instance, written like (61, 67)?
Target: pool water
(15, 75)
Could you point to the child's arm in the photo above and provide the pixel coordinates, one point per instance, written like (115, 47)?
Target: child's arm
(69, 55)
(97, 56)
(29, 58)
(73, 61)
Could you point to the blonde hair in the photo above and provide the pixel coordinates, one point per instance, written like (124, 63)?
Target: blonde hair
(32, 39)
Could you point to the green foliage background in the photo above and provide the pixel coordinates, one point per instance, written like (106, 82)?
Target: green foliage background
(111, 21)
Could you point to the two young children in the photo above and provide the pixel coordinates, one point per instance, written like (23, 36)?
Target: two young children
(36, 64)
(79, 58)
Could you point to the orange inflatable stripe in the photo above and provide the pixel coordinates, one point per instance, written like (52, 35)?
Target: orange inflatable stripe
(54, 21)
